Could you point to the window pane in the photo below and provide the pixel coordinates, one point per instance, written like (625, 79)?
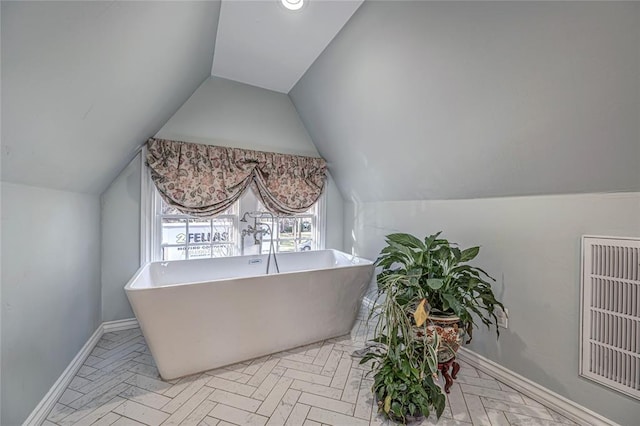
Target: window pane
(199, 232)
(286, 246)
(173, 253)
(287, 227)
(174, 231)
(223, 229)
(305, 245)
(222, 250)
(306, 225)
(199, 251)
(264, 238)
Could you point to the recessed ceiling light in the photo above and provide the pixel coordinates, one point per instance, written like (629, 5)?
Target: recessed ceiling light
(293, 4)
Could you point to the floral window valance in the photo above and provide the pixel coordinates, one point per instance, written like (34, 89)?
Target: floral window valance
(204, 180)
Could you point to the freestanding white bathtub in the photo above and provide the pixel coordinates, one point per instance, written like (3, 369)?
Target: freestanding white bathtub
(202, 314)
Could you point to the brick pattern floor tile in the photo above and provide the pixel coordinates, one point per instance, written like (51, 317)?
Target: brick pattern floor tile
(318, 384)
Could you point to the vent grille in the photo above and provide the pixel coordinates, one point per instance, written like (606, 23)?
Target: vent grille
(610, 344)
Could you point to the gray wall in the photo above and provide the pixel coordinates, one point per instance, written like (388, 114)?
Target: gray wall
(452, 100)
(227, 113)
(50, 289)
(531, 245)
(120, 240)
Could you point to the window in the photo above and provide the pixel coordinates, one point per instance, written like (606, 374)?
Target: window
(176, 236)
(292, 233)
(186, 237)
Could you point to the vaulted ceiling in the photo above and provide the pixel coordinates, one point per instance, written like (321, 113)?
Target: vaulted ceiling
(263, 44)
(409, 100)
(85, 83)
(442, 100)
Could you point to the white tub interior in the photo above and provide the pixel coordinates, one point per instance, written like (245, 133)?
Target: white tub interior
(183, 272)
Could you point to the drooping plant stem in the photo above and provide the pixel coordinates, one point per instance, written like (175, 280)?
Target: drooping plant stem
(405, 360)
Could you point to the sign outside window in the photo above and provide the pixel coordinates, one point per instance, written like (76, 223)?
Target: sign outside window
(199, 240)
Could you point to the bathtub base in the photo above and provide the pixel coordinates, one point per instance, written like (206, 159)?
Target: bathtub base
(198, 327)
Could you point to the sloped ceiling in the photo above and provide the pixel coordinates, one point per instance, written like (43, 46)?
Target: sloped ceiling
(442, 100)
(263, 44)
(84, 83)
(411, 100)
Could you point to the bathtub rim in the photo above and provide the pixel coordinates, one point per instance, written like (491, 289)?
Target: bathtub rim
(128, 287)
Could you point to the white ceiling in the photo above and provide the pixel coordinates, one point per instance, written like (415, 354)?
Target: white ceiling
(263, 44)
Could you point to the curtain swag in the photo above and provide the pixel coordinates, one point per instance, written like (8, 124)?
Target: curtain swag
(204, 180)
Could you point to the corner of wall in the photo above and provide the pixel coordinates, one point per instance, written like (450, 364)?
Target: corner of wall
(120, 240)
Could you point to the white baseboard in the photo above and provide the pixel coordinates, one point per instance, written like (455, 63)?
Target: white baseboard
(119, 325)
(556, 402)
(40, 413)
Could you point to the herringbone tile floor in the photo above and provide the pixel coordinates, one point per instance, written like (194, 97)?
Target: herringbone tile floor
(319, 384)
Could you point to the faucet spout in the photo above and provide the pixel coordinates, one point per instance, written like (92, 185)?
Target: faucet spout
(261, 229)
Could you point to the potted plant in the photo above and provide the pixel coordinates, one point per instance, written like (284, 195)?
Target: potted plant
(439, 271)
(404, 359)
(404, 393)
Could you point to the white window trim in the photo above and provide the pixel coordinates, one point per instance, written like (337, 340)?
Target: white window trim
(151, 233)
(321, 223)
(148, 238)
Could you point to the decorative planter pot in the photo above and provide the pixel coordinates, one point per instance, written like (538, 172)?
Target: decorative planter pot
(450, 334)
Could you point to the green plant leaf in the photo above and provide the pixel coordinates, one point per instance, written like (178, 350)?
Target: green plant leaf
(431, 239)
(469, 254)
(412, 408)
(451, 301)
(456, 253)
(406, 240)
(435, 283)
(445, 305)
